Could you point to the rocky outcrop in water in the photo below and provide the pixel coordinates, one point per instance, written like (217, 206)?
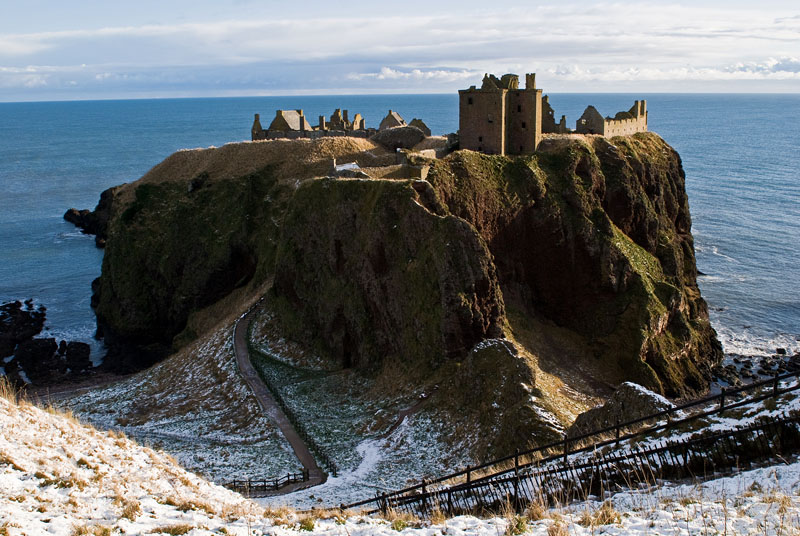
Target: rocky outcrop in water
(36, 360)
(19, 322)
(94, 222)
(595, 237)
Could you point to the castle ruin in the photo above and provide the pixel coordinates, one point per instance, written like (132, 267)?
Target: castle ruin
(502, 118)
(293, 124)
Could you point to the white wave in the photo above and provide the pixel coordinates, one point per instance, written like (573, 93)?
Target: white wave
(747, 342)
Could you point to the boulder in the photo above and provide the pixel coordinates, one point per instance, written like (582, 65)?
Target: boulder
(78, 356)
(629, 402)
(399, 137)
(39, 360)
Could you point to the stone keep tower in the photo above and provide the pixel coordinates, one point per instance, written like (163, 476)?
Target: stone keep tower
(501, 118)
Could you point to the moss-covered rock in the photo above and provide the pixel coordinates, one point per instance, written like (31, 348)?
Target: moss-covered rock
(595, 237)
(368, 269)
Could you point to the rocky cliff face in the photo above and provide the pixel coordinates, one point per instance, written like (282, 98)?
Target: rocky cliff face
(587, 237)
(595, 236)
(378, 275)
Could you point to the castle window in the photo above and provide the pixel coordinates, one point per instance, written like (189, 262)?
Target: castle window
(469, 100)
(520, 148)
(519, 107)
(524, 125)
(480, 148)
(480, 138)
(491, 118)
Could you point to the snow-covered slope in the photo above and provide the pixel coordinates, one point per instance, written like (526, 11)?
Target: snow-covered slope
(58, 476)
(197, 407)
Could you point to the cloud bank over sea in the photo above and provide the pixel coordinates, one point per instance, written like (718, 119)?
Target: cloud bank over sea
(245, 48)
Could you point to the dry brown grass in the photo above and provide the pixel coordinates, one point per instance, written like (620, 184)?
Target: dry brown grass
(280, 515)
(96, 530)
(402, 520)
(605, 515)
(8, 391)
(173, 529)
(431, 142)
(292, 160)
(6, 459)
(557, 529)
(130, 509)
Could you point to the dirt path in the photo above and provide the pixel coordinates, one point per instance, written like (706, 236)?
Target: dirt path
(402, 414)
(271, 408)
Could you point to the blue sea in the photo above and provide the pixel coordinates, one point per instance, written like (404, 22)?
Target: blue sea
(741, 154)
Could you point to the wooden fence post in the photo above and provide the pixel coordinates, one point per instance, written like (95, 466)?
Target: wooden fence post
(384, 504)
(775, 385)
(722, 399)
(424, 497)
(516, 474)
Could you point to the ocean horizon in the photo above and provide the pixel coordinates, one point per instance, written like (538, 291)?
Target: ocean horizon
(739, 152)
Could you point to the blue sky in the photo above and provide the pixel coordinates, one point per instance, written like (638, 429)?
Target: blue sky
(93, 49)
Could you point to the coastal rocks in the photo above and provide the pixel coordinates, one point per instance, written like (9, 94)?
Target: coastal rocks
(399, 137)
(629, 402)
(37, 361)
(18, 324)
(94, 222)
(383, 279)
(749, 368)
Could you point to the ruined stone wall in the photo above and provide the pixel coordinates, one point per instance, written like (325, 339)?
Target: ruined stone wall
(549, 125)
(523, 121)
(313, 134)
(627, 123)
(481, 123)
(624, 127)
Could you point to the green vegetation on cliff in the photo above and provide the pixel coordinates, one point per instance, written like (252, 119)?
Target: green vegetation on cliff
(587, 241)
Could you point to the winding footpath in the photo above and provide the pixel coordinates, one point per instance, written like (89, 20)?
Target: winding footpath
(271, 408)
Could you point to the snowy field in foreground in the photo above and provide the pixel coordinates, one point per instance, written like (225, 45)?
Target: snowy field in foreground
(60, 477)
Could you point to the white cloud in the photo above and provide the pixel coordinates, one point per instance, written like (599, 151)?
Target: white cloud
(579, 43)
(440, 75)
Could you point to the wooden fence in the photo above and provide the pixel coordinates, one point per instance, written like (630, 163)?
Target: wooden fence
(553, 481)
(726, 400)
(263, 488)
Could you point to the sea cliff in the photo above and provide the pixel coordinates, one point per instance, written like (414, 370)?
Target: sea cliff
(576, 262)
